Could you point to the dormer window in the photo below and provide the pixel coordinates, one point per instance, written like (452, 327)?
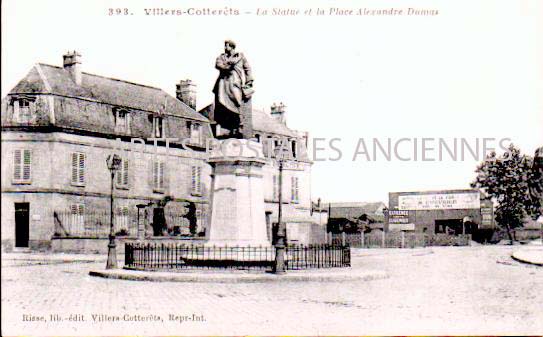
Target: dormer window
(158, 127)
(294, 148)
(122, 121)
(24, 105)
(195, 133)
(276, 143)
(22, 109)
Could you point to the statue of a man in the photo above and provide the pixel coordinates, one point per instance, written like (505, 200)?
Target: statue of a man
(234, 86)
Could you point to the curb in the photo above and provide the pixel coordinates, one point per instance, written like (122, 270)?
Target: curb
(526, 257)
(238, 277)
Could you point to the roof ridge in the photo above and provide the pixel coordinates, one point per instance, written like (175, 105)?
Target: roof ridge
(106, 77)
(43, 77)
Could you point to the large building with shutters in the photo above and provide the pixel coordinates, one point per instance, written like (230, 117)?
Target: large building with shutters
(59, 125)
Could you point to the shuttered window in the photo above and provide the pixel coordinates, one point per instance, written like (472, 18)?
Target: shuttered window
(122, 174)
(295, 190)
(78, 218)
(158, 175)
(196, 180)
(122, 220)
(22, 166)
(78, 168)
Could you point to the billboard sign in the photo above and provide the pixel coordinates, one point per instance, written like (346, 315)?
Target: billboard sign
(401, 227)
(487, 217)
(396, 216)
(439, 201)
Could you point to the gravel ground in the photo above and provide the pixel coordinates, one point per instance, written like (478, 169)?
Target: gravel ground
(438, 290)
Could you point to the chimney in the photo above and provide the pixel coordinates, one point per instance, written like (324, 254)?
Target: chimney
(186, 93)
(72, 63)
(278, 113)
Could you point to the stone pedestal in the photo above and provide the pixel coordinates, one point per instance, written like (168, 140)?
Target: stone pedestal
(238, 217)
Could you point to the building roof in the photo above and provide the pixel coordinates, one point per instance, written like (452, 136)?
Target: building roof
(48, 79)
(464, 190)
(263, 122)
(351, 210)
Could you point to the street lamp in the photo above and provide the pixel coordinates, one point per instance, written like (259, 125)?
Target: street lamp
(113, 164)
(281, 155)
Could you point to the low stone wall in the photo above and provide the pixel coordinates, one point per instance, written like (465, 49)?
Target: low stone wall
(527, 234)
(8, 246)
(85, 245)
(378, 239)
(99, 245)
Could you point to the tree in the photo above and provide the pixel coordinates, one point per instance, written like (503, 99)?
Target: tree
(508, 180)
(536, 185)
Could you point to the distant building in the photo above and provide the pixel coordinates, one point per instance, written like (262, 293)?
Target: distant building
(444, 211)
(352, 217)
(60, 124)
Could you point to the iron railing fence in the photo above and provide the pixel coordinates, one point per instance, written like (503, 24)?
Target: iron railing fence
(398, 240)
(318, 256)
(175, 256)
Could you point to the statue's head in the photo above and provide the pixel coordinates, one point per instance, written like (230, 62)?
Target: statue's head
(229, 46)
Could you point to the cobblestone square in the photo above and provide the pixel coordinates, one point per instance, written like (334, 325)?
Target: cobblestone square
(448, 290)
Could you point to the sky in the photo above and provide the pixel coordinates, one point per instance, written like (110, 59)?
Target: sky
(473, 71)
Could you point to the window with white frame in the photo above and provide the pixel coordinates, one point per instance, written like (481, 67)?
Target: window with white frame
(122, 121)
(21, 110)
(122, 174)
(295, 196)
(22, 166)
(158, 175)
(196, 180)
(122, 219)
(77, 225)
(158, 127)
(78, 168)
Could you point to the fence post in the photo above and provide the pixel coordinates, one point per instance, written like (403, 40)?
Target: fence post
(343, 239)
(362, 239)
(383, 239)
(403, 239)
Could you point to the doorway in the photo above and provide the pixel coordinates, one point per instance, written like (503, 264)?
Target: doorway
(449, 226)
(159, 221)
(22, 211)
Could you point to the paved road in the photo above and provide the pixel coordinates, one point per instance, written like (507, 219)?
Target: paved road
(445, 290)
